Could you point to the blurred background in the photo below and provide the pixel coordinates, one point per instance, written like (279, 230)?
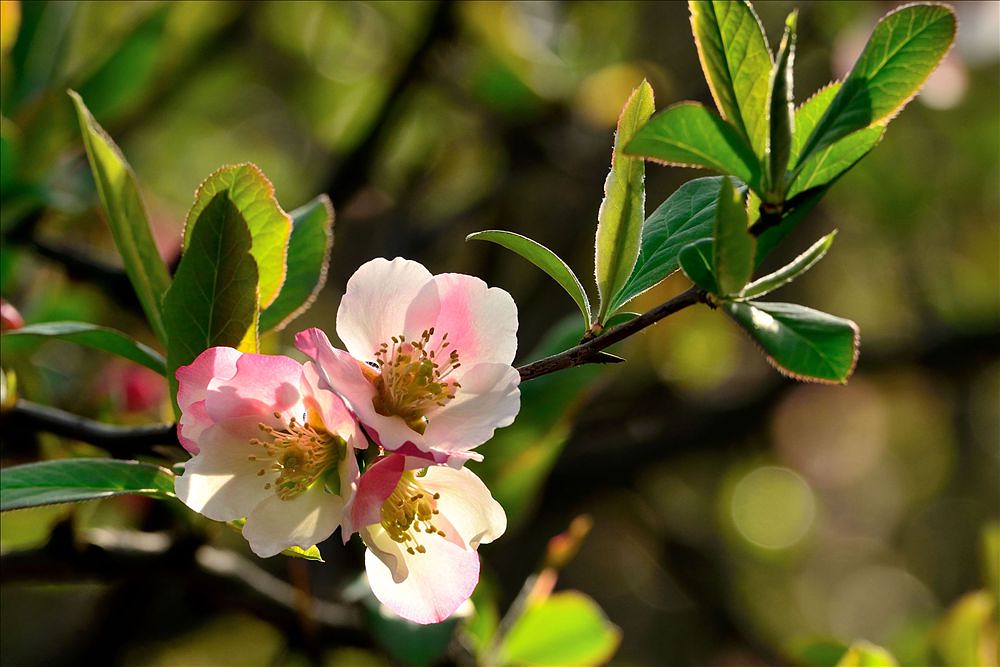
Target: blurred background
(736, 514)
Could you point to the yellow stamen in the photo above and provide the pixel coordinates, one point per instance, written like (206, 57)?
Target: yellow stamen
(300, 453)
(410, 509)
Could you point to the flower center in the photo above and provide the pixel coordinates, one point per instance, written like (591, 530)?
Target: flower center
(410, 510)
(413, 378)
(300, 453)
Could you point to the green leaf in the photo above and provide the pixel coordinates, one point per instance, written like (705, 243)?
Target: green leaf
(73, 480)
(408, 643)
(863, 654)
(827, 164)
(686, 216)
(213, 300)
(619, 221)
(689, 135)
(790, 271)
(808, 115)
(543, 258)
(967, 635)
(800, 342)
(126, 215)
(567, 628)
(99, 338)
(734, 246)
(781, 114)
(903, 50)
(736, 60)
(308, 256)
(270, 227)
(696, 260)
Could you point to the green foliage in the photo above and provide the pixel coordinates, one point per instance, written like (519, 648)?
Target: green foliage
(567, 628)
(270, 227)
(543, 258)
(126, 216)
(780, 114)
(903, 50)
(213, 299)
(790, 271)
(864, 654)
(411, 644)
(621, 215)
(99, 338)
(802, 343)
(967, 635)
(697, 262)
(308, 256)
(689, 135)
(736, 60)
(733, 251)
(74, 480)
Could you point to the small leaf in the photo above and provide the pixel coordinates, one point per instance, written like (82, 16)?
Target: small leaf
(734, 246)
(270, 227)
(967, 635)
(863, 654)
(826, 165)
(567, 628)
(689, 135)
(736, 60)
(213, 300)
(903, 50)
(686, 216)
(697, 263)
(543, 258)
(802, 343)
(99, 338)
(73, 480)
(781, 114)
(126, 216)
(790, 271)
(619, 221)
(308, 256)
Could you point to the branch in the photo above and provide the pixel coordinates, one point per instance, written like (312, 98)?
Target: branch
(589, 351)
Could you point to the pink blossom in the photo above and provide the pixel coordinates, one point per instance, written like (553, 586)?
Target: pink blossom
(268, 446)
(422, 526)
(429, 366)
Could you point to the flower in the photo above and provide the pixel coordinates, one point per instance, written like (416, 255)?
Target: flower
(429, 371)
(422, 526)
(269, 445)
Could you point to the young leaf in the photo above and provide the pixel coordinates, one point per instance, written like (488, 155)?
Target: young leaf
(780, 114)
(790, 271)
(734, 246)
(543, 258)
(270, 227)
(99, 338)
(686, 216)
(903, 50)
(126, 215)
(619, 221)
(800, 342)
(689, 135)
(567, 628)
(829, 163)
(697, 263)
(308, 256)
(213, 299)
(73, 480)
(864, 654)
(736, 60)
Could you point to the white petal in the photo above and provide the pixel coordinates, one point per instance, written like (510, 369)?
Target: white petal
(466, 503)
(488, 399)
(373, 308)
(302, 521)
(337, 419)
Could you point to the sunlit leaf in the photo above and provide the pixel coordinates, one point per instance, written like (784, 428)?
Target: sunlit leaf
(800, 342)
(903, 50)
(308, 256)
(543, 258)
(863, 654)
(73, 480)
(967, 635)
(567, 628)
(790, 271)
(781, 113)
(734, 246)
(736, 60)
(619, 225)
(99, 338)
(828, 163)
(689, 135)
(696, 260)
(126, 216)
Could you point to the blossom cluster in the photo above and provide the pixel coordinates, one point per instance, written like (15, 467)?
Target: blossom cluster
(426, 378)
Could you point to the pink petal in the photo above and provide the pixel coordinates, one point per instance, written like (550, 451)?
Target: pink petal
(302, 521)
(489, 399)
(376, 484)
(263, 384)
(337, 419)
(467, 504)
(192, 388)
(373, 308)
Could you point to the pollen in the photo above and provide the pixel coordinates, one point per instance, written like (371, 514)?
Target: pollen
(409, 510)
(301, 453)
(413, 378)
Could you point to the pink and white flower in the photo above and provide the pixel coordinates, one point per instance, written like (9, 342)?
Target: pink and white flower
(422, 526)
(428, 364)
(269, 445)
